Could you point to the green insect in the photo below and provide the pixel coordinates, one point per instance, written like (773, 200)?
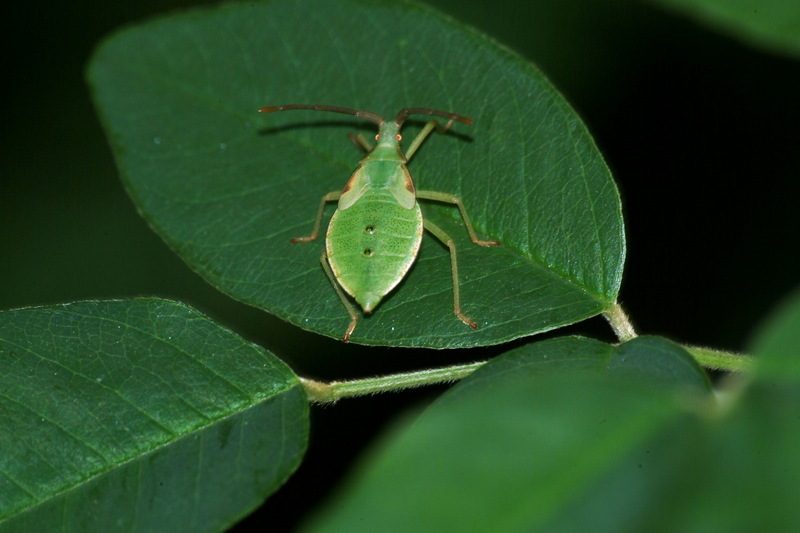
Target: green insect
(374, 236)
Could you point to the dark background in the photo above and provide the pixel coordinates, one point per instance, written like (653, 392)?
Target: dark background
(700, 130)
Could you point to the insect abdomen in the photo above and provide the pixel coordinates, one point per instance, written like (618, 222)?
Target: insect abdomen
(372, 244)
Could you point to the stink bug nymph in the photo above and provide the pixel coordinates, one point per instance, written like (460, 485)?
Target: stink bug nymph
(375, 234)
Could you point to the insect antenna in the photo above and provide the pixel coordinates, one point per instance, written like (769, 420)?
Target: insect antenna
(404, 114)
(358, 113)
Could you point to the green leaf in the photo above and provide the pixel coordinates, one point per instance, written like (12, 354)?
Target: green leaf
(770, 24)
(228, 188)
(515, 445)
(139, 415)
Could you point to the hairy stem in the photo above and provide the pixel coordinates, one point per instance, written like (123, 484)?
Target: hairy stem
(719, 360)
(620, 323)
(319, 392)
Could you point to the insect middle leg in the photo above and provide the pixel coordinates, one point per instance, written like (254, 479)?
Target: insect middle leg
(452, 199)
(448, 241)
(351, 310)
(330, 197)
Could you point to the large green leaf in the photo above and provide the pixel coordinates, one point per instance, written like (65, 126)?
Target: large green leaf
(139, 415)
(514, 446)
(771, 24)
(228, 188)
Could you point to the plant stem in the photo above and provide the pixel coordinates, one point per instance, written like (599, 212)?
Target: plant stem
(319, 392)
(719, 360)
(620, 323)
(707, 357)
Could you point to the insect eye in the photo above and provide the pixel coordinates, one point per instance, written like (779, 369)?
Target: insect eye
(398, 137)
(377, 137)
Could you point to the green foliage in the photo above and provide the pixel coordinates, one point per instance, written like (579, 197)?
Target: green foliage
(512, 447)
(771, 24)
(227, 189)
(744, 470)
(144, 415)
(572, 434)
(778, 340)
(139, 415)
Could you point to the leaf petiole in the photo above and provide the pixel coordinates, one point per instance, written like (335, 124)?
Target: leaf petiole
(321, 392)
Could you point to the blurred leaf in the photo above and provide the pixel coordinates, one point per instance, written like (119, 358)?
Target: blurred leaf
(745, 475)
(513, 446)
(139, 415)
(228, 189)
(778, 342)
(657, 360)
(770, 24)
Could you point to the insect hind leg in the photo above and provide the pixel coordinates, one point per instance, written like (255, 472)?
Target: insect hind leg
(440, 234)
(351, 310)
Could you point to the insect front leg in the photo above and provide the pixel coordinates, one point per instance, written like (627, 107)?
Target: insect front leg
(323, 258)
(330, 197)
(360, 141)
(422, 135)
(440, 234)
(452, 199)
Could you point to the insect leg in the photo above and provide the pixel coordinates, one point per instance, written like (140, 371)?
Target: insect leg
(448, 241)
(452, 199)
(422, 135)
(330, 197)
(360, 141)
(323, 258)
